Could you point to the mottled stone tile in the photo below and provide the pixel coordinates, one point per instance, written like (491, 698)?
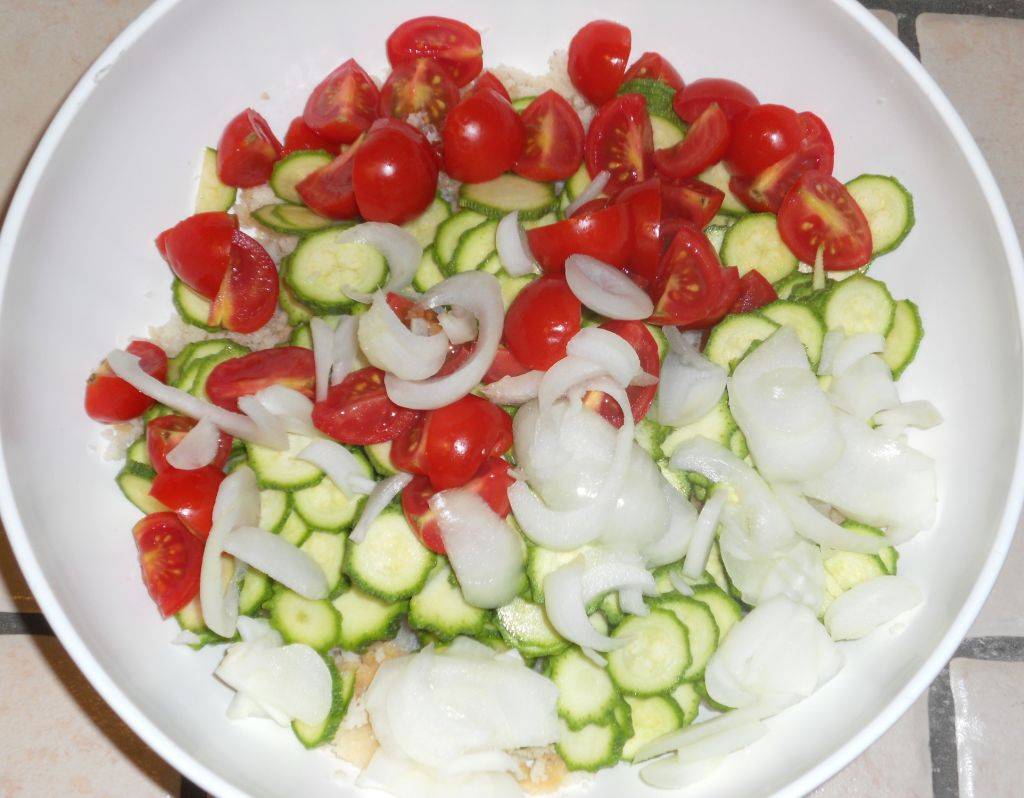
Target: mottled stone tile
(887, 18)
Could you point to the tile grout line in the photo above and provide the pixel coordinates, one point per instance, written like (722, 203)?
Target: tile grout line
(24, 623)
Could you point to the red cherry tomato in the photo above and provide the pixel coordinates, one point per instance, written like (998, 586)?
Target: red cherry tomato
(641, 397)
(597, 59)
(343, 105)
(593, 206)
(765, 192)
(762, 136)
(644, 203)
(248, 294)
(705, 145)
(190, 494)
(491, 484)
(755, 292)
(166, 432)
(247, 151)
(198, 250)
(818, 212)
(171, 558)
(540, 322)
(487, 80)
(301, 136)
(452, 44)
(693, 289)
(816, 132)
(290, 366)
(111, 400)
(504, 365)
(394, 173)
(329, 190)
(553, 148)
(651, 66)
(730, 96)
(460, 436)
(409, 449)
(605, 234)
(420, 85)
(690, 200)
(621, 141)
(357, 411)
(483, 136)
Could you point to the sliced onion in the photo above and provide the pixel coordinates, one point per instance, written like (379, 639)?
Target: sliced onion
(323, 354)
(920, 414)
(379, 498)
(565, 374)
(606, 290)
(682, 340)
(126, 366)
(672, 545)
(293, 409)
(828, 350)
(198, 448)
(820, 529)
(480, 294)
(853, 348)
(611, 571)
(398, 246)
(591, 192)
(514, 247)
(613, 352)
(458, 326)
(344, 348)
(704, 534)
(567, 612)
(278, 559)
(393, 347)
(632, 602)
(865, 388)
(690, 387)
(864, 608)
(672, 774)
(724, 743)
(682, 587)
(270, 426)
(342, 467)
(517, 390)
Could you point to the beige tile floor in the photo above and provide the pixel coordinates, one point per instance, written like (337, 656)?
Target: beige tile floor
(45, 46)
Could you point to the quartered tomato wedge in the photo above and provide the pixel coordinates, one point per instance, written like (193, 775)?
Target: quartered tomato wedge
(641, 397)
(394, 173)
(247, 151)
(452, 44)
(504, 365)
(816, 132)
(597, 59)
(818, 212)
(487, 80)
(690, 200)
(766, 191)
(695, 97)
(693, 289)
(652, 66)
(419, 85)
(605, 234)
(301, 136)
(357, 411)
(593, 206)
(621, 141)
(248, 293)
(483, 136)
(553, 148)
(198, 250)
(290, 366)
(190, 494)
(343, 105)
(540, 322)
(491, 483)
(166, 432)
(171, 558)
(645, 210)
(111, 400)
(409, 449)
(329, 190)
(705, 144)
(755, 292)
(761, 136)
(461, 436)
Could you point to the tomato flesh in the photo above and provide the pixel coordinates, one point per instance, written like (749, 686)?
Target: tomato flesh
(705, 144)
(819, 213)
(621, 141)
(755, 292)
(394, 173)
(483, 136)
(358, 412)
(690, 200)
(330, 190)
(300, 137)
(452, 44)
(553, 144)
(198, 250)
(111, 400)
(761, 136)
(641, 397)
(343, 104)
(693, 289)
(540, 321)
(504, 365)
(290, 366)
(409, 449)
(190, 494)
(487, 80)
(732, 97)
(652, 66)
(645, 210)
(248, 293)
(171, 558)
(166, 432)
(604, 234)
(420, 85)
(247, 151)
(597, 59)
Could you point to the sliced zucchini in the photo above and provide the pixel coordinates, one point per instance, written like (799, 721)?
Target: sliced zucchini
(718, 176)
(294, 529)
(524, 626)
(321, 269)
(282, 469)
(295, 220)
(136, 490)
(257, 588)
(795, 285)
(859, 304)
(137, 457)
(889, 209)
(293, 169)
(424, 227)
(204, 367)
(212, 194)
(738, 444)
(724, 607)
(667, 131)
(343, 685)
(441, 608)
(718, 426)
(379, 455)
(366, 619)
(716, 235)
(302, 620)
(328, 551)
(508, 193)
(732, 337)
(701, 630)
(677, 479)
(530, 224)
(511, 286)
(429, 273)
(585, 691)
(448, 234)
(296, 311)
(650, 435)
(522, 103)
(904, 338)
(804, 321)
(324, 506)
(611, 610)
(651, 718)
(390, 563)
(474, 247)
(591, 748)
(274, 508)
(688, 700)
(194, 351)
(301, 336)
(656, 656)
(576, 184)
(540, 562)
(849, 569)
(754, 243)
(193, 308)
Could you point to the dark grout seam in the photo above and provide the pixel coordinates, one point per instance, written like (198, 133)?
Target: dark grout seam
(190, 790)
(907, 11)
(24, 623)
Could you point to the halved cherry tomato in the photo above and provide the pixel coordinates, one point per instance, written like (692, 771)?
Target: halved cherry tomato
(540, 322)
(357, 411)
(816, 132)
(198, 250)
(166, 432)
(819, 212)
(301, 136)
(730, 96)
(453, 44)
(418, 86)
(605, 234)
(693, 289)
(290, 366)
(483, 136)
(491, 483)
(329, 190)
(705, 144)
(690, 200)
(641, 397)
(553, 148)
(597, 59)
(487, 80)
(409, 449)
(593, 206)
(755, 292)
(766, 191)
(504, 365)
(620, 140)
(247, 151)
(762, 136)
(248, 293)
(343, 105)
(110, 399)
(644, 203)
(171, 558)
(461, 436)
(394, 173)
(190, 494)
(651, 66)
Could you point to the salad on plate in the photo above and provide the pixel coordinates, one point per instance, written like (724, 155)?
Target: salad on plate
(511, 427)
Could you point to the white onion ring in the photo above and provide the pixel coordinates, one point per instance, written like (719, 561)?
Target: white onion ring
(591, 192)
(458, 326)
(293, 409)
(567, 612)
(681, 340)
(379, 498)
(278, 559)
(399, 247)
(198, 448)
(393, 347)
(865, 607)
(270, 425)
(632, 602)
(566, 373)
(672, 774)
(691, 385)
(620, 360)
(921, 414)
(852, 348)
(323, 354)
(616, 571)
(342, 467)
(606, 290)
(817, 528)
(344, 348)
(682, 587)
(514, 247)
(517, 390)
(704, 534)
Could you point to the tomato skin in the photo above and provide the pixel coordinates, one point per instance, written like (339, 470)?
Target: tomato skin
(645, 211)
(816, 132)
(409, 449)
(487, 80)
(540, 322)
(357, 411)
(483, 135)
(553, 144)
(111, 400)
(695, 97)
(605, 234)
(705, 145)
(587, 208)
(394, 173)
(166, 432)
(190, 494)
(461, 436)
(597, 59)
(693, 289)
(504, 365)
(343, 104)
(621, 140)
(171, 558)
(248, 294)
(452, 44)
(690, 200)
(419, 85)
(652, 66)
(290, 366)
(247, 151)
(755, 292)
(842, 230)
(198, 250)
(329, 190)
(641, 397)
(762, 136)
(301, 136)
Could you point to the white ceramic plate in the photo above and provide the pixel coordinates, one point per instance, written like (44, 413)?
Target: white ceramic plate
(79, 274)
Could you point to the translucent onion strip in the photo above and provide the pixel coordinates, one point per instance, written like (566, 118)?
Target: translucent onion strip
(380, 497)
(606, 290)
(198, 448)
(591, 192)
(514, 247)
